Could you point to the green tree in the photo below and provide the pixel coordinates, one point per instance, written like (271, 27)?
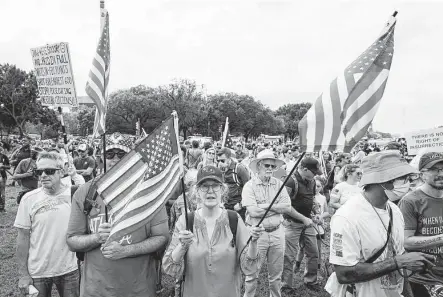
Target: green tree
(292, 114)
(184, 96)
(85, 117)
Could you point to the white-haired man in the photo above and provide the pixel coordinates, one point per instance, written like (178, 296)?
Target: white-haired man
(42, 220)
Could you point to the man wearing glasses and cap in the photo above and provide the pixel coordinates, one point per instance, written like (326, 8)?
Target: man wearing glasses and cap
(257, 195)
(367, 234)
(84, 164)
(120, 268)
(42, 220)
(24, 173)
(240, 154)
(423, 214)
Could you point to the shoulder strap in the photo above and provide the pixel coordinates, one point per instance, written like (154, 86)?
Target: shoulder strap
(235, 175)
(233, 222)
(378, 254)
(89, 203)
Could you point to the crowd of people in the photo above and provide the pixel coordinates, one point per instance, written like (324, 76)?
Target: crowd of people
(385, 230)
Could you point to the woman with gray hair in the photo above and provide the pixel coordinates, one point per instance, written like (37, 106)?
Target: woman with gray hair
(212, 255)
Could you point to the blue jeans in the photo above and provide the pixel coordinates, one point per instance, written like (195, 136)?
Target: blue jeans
(67, 285)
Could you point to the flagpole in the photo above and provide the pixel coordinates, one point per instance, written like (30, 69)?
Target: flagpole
(279, 191)
(182, 168)
(225, 133)
(65, 135)
(104, 168)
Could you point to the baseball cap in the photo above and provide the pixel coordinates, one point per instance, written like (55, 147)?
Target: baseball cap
(82, 147)
(312, 164)
(224, 151)
(429, 159)
(209, 173)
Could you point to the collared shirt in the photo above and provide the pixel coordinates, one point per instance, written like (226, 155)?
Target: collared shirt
(255, 192)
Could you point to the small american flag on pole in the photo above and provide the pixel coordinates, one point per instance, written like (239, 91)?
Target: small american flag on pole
(139, 185)
(97, 84)
(343, 113)
(227, 140)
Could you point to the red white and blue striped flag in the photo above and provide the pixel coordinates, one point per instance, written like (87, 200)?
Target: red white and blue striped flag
(343, 113)
(138, 186)
(97, 84)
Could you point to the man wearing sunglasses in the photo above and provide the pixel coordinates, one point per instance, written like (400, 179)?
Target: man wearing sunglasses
(299, 224)
(423, 214)
(126, 267)
(42, 220)
(257, 195)
(84, 164)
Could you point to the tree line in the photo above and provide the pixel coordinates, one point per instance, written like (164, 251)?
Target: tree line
(199, 113)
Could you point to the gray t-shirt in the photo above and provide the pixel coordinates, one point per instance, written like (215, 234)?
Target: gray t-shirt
(28, 183)
(101, 277)
(424, 214)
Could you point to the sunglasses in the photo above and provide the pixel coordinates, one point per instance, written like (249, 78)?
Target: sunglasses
(271, 166)
(47, 171)
(81, 152)
(359, 173)
(111, 155)
(221, 160)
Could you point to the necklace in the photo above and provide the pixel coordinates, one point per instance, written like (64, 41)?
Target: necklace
(387, 232)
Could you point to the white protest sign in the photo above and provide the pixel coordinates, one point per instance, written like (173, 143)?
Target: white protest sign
(431, 140)
(53, 69)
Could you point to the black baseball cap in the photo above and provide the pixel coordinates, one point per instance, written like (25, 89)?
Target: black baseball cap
(429, 159)
(312, 164)
(209, 173)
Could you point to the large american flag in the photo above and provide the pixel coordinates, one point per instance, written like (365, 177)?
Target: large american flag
(344, 111)
(97, 84)
(139, 185)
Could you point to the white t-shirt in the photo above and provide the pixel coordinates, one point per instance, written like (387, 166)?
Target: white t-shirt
(322, 204)
(47, 218)
(356, 234)
(345, 191)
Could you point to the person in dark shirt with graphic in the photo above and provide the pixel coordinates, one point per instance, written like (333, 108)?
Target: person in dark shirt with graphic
(423, 214)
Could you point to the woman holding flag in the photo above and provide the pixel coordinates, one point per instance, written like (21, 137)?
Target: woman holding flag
(212, 255)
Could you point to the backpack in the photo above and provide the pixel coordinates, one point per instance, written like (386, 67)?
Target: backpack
(233, 222)
(235, 176)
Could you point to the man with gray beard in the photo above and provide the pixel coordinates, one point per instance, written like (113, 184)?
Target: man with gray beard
(423, 214)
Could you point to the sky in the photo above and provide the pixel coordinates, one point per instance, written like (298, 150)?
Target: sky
(279, 52)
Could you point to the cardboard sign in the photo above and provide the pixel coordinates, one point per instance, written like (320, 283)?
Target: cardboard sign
(431, 140)
(53, 69)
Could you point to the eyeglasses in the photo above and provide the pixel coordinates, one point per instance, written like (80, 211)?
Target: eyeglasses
(435, 170)
(110, 155)
(47, 171)
(267, 166)
(214, 187)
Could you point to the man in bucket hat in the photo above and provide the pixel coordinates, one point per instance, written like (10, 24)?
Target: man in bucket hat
(423, 212)
(367, 242)
(257, 194)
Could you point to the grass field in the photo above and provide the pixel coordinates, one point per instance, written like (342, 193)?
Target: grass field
(9, 267)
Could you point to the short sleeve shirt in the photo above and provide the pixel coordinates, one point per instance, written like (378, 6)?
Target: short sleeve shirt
(28, 183)
(256, 192)
(424, 215)
(135, 276)
(357, 233)
(47, 218)
(83, 164)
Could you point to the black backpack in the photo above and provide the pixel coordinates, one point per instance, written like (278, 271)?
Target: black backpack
(233, 222)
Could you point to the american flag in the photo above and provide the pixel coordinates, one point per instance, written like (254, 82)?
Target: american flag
(97, 84)
(227, 141)
(343, 113)
(139, 185)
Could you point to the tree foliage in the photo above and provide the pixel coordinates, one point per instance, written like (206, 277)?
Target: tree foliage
(18, 100)
(291, 114)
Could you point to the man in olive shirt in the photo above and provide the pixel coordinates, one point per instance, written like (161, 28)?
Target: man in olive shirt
(84, 164)
(423, 214)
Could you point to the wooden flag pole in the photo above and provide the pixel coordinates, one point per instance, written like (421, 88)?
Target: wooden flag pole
(104, 169)
(279, 191)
